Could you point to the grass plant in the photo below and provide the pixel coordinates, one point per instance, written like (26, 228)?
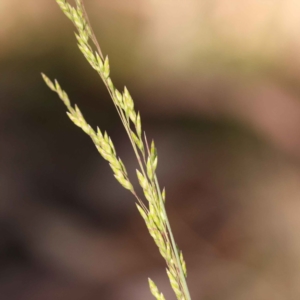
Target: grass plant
(152, 208)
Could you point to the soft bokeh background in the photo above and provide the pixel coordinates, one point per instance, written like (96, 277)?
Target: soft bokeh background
(217, 83)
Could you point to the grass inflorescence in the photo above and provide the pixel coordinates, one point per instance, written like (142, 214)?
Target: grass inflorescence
(153, 209)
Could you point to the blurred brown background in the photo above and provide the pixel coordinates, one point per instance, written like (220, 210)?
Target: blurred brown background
(217, 82)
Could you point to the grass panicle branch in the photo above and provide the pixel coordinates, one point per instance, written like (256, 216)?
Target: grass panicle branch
(153, 210)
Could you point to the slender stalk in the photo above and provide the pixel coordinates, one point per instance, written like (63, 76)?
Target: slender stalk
(93, 36)
(184, 283)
